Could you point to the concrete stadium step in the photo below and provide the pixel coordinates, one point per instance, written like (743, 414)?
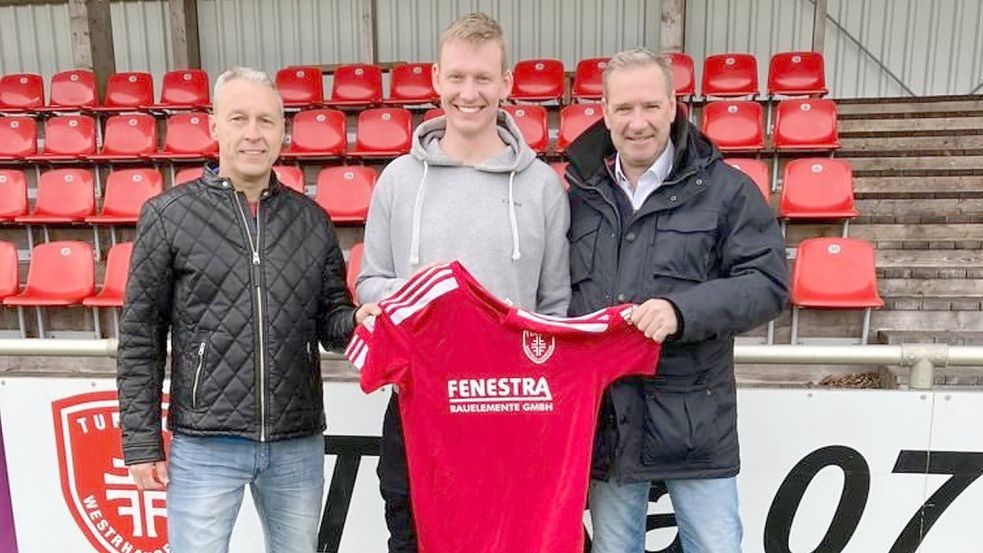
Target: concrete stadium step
(961, 145)
(897, 236)
(920, 126)
(908, 107)
(918, 187)
(912, 166)
(930, 264)
(937, 336)
(938, 211)
(914, 294)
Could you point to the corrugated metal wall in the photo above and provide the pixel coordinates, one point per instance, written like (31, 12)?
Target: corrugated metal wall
(270, 34)
(566, 29)
(35, 39)
(873, 47)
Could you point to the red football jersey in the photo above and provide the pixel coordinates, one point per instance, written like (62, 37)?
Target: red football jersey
(498, 407)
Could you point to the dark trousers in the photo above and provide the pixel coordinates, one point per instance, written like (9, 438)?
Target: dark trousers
(394, 483)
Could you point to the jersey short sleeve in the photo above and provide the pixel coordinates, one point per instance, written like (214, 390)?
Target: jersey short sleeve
(379, 352)
(632, 353)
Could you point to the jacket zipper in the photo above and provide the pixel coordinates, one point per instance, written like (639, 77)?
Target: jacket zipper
(201, 365)
(260, 342)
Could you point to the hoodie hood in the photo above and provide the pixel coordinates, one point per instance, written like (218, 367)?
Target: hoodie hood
(516, 157)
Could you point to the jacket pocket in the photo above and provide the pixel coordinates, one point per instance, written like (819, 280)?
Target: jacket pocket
(679, 426)
(684, 245)
(583, 241)
(199, 364)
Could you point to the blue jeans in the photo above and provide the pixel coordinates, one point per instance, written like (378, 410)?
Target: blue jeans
(208, 476)
(706, 515)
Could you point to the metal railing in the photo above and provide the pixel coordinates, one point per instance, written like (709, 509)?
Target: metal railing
(921, 359)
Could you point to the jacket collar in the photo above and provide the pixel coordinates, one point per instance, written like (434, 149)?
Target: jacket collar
(588, 152)
(210, 178)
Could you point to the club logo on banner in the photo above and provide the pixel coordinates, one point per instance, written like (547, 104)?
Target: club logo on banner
(113, 514)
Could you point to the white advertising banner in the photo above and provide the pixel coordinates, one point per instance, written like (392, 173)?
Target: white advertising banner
(823, 471)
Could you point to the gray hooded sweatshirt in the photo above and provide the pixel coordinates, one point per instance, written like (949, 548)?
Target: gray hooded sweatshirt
(505, 220)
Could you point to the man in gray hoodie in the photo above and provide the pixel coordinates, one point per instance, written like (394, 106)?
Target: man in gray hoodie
(470, 190)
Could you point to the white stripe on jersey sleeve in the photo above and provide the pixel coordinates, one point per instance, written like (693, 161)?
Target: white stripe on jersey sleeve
(359, 361)
(439, 289)
(414, 285)
(593, 327)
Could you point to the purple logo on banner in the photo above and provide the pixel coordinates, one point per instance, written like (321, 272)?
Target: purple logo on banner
(8, 542)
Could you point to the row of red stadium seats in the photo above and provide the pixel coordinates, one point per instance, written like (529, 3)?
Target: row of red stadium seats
(800, 124)
(724, 75)
(828, 273)
(813, 188)
(66, 196)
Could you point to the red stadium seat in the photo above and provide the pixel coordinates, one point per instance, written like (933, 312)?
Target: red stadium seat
(68, 138)
(128, 137)
(114, 283)
(187, 137)
(734, 126)
(18, 138)
(575, 119)
(587, 79)
(344, 192)
(411, 83)
(729, 75)
(64, 196)
(561, 171)
(21, 92)
(291, 177)
(531, 121)
(13, 194)
(433, 113)
(60, 273)
(72, 91)
(757, 170)
(817, 188)
(128, 91)
(806, 124)
(187, 175)
(538, 80)
(317, 133)
(184, 89)
(683, 74)
(797, 74)
(358, 85)
(383, 132)
(126, 192)
(9, 277)
(354, 266)
(834, 273)
(300, 86)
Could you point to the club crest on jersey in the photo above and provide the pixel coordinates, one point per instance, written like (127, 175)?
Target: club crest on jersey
(538, 348)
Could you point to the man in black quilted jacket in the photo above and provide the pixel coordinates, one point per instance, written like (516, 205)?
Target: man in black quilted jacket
(248, 277)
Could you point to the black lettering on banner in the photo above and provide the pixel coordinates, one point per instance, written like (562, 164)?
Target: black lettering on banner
(965, 468)
(350, 450)
(853, 499)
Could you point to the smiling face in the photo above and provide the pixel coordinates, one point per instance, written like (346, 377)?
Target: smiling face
(248, 126)
(472, 82)
(639, 112)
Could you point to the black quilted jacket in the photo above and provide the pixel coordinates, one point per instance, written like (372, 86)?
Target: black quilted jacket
(246, 302)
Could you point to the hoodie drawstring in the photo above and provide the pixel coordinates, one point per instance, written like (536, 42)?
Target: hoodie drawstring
(516, 254)
(417, 215)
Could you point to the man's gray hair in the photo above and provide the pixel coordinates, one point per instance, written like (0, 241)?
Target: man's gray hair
(639, 57)
(246, 74)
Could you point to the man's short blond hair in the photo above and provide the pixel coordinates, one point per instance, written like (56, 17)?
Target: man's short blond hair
(476, 29)
(639, 57)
